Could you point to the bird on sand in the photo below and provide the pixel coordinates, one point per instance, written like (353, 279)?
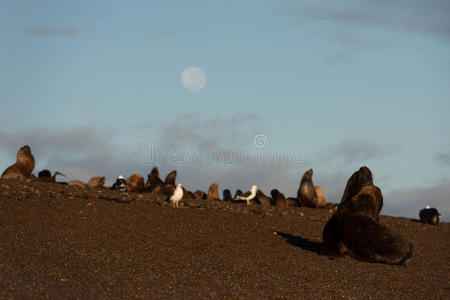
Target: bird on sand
(176, 196)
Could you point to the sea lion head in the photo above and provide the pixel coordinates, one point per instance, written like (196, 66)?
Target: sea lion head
(356, 182)
(155, 171)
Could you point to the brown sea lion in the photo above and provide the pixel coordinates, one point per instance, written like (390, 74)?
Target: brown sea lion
(355, 183)
(23, 167)
(320, 196)
(227, 195)
(153, 179)
(171, 177)
(292, 202)
(354, 230)
(261, 198)
(278, 199)
(199, 195)
(135, 183)
(46, 175)
(168, 189)
(306, 193)
(213, 192)
(98, 181)
(188, 195)
(77, 183)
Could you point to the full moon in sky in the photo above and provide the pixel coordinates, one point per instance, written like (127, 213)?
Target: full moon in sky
(193, 79)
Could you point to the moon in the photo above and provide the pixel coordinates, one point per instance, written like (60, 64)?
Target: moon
(193, 79)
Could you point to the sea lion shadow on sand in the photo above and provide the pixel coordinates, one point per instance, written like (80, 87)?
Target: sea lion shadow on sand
(303, 243)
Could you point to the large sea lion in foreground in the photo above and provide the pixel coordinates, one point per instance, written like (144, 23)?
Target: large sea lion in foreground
(354, 229)
(23, 167)
(306, 193)
(135, 183)
(213, 192)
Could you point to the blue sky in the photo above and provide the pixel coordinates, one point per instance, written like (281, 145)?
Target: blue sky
(90, 84)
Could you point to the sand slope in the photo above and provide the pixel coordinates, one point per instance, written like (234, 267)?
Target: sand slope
(59, 241)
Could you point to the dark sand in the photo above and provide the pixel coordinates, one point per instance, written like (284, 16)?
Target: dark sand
(59, 241)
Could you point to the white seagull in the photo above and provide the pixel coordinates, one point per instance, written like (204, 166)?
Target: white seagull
(248, 196)
(176, 196)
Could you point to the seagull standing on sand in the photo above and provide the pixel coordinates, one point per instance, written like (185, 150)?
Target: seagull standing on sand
(176, 196)
(248, 196)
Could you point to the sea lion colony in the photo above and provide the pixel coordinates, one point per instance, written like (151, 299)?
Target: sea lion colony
(352, 230)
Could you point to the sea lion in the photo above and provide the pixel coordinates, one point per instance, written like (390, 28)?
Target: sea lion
(213, 192)
(306, 193)
(168, 189)
(292, 202)
(261, 198)
(429, 215)
(227, 195)
(153, 179)
(187, 195)
(97, 181)
(199, 195)
(355, 183)
(77, 183)
(354, 230)
(320, 196)
(23, 167)
(135, 183)
(278, 199)
(46, 175)
(171, 177)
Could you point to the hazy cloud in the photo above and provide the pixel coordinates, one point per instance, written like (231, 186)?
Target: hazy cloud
(165, 33)
(337, 58)
(50, 31)
(405, 15)
(346, 152)
(443, 159)
(207, 133)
